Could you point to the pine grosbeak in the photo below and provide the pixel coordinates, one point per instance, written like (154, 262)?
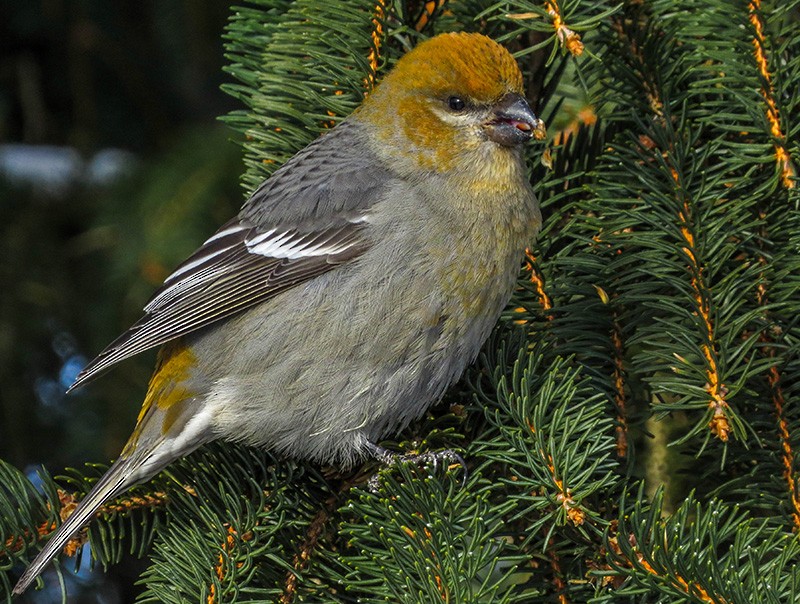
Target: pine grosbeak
(354, 285)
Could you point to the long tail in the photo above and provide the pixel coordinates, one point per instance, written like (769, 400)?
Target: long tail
(122, 475)
(157, 441)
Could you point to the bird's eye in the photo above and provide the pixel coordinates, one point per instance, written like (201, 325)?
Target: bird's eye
(456, 103)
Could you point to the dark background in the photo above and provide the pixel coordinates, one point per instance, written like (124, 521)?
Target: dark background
(113, 168)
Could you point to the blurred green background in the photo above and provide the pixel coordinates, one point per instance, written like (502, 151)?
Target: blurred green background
(113, 168)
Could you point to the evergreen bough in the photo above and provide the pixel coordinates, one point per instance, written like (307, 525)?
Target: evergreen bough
(632, 428)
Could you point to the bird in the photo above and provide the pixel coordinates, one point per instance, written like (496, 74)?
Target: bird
(354, 285)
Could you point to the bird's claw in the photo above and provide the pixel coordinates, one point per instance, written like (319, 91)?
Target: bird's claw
(389, 459)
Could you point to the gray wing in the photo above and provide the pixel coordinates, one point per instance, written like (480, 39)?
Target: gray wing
(308, 218)
(333, 176)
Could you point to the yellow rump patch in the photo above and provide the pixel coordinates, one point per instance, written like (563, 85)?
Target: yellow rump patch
(167, 391)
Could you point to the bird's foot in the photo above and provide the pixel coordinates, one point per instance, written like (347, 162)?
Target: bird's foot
(447, 457)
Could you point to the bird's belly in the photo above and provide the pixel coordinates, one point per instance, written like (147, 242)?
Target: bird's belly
(313, 383)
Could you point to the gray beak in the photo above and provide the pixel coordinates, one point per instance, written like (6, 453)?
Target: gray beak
(513, 122)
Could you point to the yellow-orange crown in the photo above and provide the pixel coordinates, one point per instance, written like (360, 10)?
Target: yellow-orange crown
(459, 63)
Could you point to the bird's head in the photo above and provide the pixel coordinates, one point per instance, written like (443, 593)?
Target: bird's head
(453, 99)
